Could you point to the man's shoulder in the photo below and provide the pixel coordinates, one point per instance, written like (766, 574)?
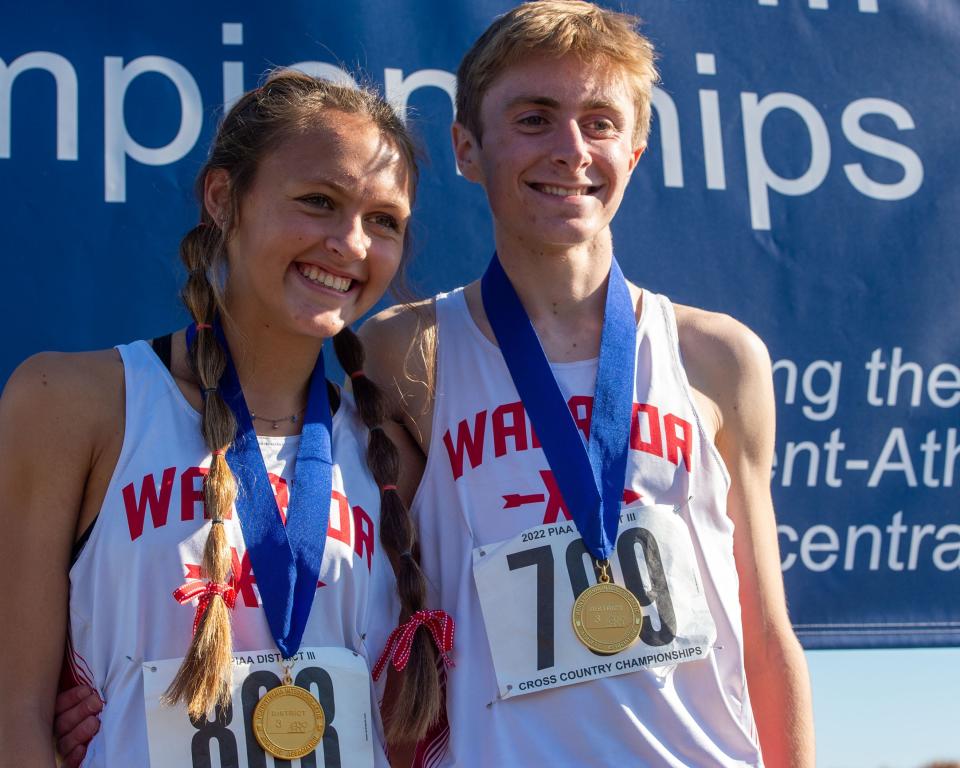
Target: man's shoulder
(716, 341)
(725, 361)
(400, 346)
(399, 322)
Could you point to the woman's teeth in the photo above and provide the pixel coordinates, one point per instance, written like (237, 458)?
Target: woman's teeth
(318, 276)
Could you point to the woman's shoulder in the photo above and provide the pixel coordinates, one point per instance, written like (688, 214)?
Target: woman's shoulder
(63, 392)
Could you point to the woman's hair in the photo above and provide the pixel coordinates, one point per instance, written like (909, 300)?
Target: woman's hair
(289, 102)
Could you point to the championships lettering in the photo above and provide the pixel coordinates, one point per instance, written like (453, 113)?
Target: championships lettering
(620, 665)
(857, 122)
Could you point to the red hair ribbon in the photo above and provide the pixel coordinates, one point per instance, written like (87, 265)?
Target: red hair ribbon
(205, 591)
(439, 623)
(358, 374)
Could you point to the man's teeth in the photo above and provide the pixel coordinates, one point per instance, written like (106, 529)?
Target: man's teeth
(564, 191)
(320, 277)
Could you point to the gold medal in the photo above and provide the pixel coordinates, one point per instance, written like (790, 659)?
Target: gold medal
(607, 617)
(288, 722)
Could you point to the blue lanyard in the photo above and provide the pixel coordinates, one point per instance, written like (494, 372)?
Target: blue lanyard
(590, 477)
(285, 559)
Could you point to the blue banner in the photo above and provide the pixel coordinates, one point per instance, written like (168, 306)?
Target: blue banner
(801, 176)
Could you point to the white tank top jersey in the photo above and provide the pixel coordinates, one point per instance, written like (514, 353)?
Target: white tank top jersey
(487, 480)
(148, 540)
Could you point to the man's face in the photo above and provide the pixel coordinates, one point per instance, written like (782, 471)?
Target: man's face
(556, 154)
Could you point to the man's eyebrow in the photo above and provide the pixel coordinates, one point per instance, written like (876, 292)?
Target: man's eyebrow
(541, 101)
(546, 101)
(602, 104)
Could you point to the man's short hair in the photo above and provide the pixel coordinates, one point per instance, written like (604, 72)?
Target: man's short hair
(556, 28)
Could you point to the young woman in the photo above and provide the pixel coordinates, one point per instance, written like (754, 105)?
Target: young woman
(205, 519)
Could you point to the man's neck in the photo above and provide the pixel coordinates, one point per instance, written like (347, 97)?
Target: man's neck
(563, 292)
(560, 286)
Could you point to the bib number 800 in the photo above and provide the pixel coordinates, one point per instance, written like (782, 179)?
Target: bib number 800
(313, 679)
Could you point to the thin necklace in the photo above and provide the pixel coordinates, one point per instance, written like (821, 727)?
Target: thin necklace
(275, 423)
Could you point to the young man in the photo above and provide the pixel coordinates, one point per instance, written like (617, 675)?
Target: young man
(553, 110)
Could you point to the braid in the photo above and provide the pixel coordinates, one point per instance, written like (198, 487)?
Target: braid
(419, 706)
(203, 679)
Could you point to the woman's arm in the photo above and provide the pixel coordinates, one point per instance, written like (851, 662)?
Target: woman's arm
(58, 414)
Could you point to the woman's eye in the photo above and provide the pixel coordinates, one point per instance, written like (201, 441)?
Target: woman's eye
(386, 220)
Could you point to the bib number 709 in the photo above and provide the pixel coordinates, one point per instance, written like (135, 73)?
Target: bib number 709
(578, 573)
(527, 586)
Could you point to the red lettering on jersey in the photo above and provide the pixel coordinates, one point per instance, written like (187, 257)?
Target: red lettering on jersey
(581, 408)
(472, 444)
(281, 493)
(159, 503)
(517, 429)
(363, 526)
(654, 444)
(679, 436)
(243, 578)
(339, 526)
(190, 494)
(555, 502)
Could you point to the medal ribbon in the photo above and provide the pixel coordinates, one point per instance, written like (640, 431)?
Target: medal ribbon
(590, 477)
(285, 559)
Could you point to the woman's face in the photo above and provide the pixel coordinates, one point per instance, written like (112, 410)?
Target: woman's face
(320, 232)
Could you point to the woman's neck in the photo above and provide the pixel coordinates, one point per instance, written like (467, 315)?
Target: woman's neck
(274, 371)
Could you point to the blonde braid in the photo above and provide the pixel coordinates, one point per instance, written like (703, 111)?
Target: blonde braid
(204, 678)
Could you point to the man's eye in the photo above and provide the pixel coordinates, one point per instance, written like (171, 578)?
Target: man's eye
(532, 120)
(318, 200)
(602, 125)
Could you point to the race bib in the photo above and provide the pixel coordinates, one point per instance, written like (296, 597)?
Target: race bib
(337, 677)
(528, 585)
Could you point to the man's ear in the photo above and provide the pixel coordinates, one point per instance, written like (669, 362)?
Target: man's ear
(216, 194)
(465, 149)
(635, 156)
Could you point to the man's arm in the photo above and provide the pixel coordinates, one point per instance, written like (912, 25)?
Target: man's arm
(731, 366)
